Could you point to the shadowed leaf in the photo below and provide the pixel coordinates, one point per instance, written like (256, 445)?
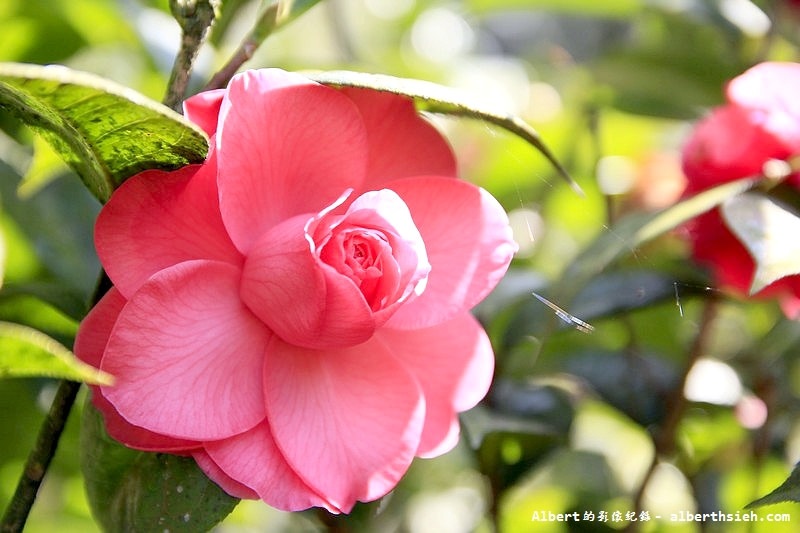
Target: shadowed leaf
(131, 490)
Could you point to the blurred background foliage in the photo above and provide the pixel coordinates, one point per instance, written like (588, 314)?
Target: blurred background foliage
(677, 398)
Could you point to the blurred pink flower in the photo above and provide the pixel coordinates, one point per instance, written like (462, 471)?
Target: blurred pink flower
(294, 312)
(760, 122)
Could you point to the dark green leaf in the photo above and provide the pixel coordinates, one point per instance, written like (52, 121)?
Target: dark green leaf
(768, 230)
(104, 131)
(26, 352)
(132, 491)
(789, 491)
(444, 100)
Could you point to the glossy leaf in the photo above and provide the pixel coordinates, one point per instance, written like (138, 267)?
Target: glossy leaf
(769, 231)
(26, 352)
(788, 491)
(104, 131)
(437, 98)
(131, 490)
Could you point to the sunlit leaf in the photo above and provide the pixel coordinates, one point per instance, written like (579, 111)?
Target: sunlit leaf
(608, 8)
(131, 490)
(26, 352)
(445, 100)
(289, 10)
(104, 131)
(788, 491)
(636, 229)
(769, 231)
(46, 166)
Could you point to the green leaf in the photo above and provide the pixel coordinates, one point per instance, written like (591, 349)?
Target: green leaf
(789, 491)
(26, 352)
(634, 230)
(104, 131)
(55, 294)
(289, 10)
(134, 491)
(46, 166)
(607, 8)
(769, 231)
(445, 100)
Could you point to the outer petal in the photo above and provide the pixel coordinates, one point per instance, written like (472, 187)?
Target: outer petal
(95, 329)
(227, 483)
(203, 109)
(454, 364)
(469, 245)
(284, 151)
(401, 143)
(347, 421)
(303, 301)
(253, 460)
(90, 343)
(771, 88)
(725, 146)
(187, 355)
(157, 219)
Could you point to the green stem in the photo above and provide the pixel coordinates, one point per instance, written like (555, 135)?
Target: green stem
(195, 18)
(266, 22)
(39, 459)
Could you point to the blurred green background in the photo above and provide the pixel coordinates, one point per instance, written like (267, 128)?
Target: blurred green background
(574, 418)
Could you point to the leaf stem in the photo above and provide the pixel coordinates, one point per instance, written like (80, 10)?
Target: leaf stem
(39, 459)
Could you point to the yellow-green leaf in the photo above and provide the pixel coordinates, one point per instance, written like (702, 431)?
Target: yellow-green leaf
(26, 352)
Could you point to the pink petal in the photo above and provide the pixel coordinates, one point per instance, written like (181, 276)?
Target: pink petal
(90, 344)
(157, 219)
(391, 247)
(253, 460)
(347, 421)
(771, 87)
(134, 436)
(727, 145)
(284, 151)
(303, 301)
(454, 364)
(203, 109)
(227, 483)
(401, 143)
(186, 355)
(469, 245)
(95, 329)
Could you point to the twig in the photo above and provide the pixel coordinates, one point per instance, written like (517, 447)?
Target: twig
(195, 18)
(265, 23)
(664, 439)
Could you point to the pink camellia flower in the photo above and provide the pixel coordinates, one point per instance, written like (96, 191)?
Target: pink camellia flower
(760, 123)
(294, 312)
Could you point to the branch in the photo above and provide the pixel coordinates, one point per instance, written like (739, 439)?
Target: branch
(266, 22)
(195, 18)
